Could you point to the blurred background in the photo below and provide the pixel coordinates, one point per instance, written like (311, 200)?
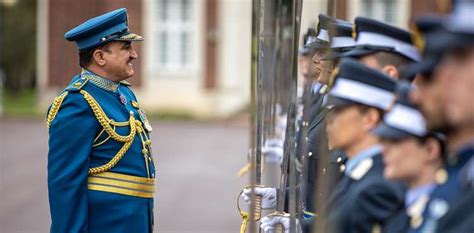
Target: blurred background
(192, 77)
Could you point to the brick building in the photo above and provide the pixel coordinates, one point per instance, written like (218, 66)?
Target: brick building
(196, 56)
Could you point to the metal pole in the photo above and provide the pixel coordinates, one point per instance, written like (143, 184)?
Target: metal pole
(255, 142)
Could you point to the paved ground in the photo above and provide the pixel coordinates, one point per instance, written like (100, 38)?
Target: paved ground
(196, 171)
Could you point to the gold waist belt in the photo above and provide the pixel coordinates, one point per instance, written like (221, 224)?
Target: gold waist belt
(122, 184)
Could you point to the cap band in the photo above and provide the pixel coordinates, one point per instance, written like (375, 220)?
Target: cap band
(311, 39)
(323, 35)
(406, 119)
(342, 42)
(462, 19)
(363, 93)
(404, 48)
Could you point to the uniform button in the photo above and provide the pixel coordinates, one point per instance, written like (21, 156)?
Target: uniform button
(131, 113)
(339, 159)
(342, 168)
(306, 139)
(310, 153)
(416, 221)
(324, 171)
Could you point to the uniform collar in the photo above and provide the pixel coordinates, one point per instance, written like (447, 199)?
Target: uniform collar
(316, 87)
(368, 153)
(414, 194)
(99, 81)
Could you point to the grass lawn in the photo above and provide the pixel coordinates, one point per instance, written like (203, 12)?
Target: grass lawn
(19, 104)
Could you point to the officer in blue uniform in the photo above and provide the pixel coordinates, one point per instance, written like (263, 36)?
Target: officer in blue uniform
(412, 155)
(363, 200)
(444, 94)
(101, 176)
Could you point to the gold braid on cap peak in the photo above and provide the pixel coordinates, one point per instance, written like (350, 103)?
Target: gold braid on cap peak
(354, 31)
(418, 38)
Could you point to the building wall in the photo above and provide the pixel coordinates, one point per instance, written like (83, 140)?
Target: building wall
(218, 81)
(192, 91)
(175, 91)
(58, 59)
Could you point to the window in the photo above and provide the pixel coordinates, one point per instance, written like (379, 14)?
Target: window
(383, 10)
(395, 12)
(173, 28)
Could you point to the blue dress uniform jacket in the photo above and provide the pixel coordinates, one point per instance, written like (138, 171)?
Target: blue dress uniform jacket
(365, 201)
(450, 208)
(100, 168)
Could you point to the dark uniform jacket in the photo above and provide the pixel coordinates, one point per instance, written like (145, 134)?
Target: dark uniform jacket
(364, 201)
(451, 207)
(100, 169)
(312, 145)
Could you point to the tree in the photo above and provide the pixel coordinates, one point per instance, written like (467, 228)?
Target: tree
(18, 43)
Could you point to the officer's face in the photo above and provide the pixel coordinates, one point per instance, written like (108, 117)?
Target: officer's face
(119, 60)
(460, 66)
(345, 125)
(322, 69)
(430, 95)
(405, 159)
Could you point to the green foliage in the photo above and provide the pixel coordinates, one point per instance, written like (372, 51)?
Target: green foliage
(18, 44)
(20, 103)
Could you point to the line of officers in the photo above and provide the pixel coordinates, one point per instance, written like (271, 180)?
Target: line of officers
(397, 110)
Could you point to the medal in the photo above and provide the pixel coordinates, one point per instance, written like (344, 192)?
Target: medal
(144, 120)
(123, 99)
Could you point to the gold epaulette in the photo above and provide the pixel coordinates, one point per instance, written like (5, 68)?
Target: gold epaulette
(77, 85)
(53, 110)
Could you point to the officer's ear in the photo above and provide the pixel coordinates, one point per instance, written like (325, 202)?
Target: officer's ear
(434, 149)
(98, 55)
(391, 71)
(372, 117)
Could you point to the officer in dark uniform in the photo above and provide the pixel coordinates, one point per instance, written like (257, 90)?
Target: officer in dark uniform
(382, 46)
(412, 155)
(363, 200)
(445, 96)
(312, 99)
(340, 34)
(101, 176)
(311, 143)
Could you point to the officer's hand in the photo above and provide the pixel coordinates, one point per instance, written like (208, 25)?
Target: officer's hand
(272, 151)
(268, 196)
(268, 223)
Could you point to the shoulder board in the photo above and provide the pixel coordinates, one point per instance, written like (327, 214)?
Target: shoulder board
(126, 83)
(361, 169)
(77, 85)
